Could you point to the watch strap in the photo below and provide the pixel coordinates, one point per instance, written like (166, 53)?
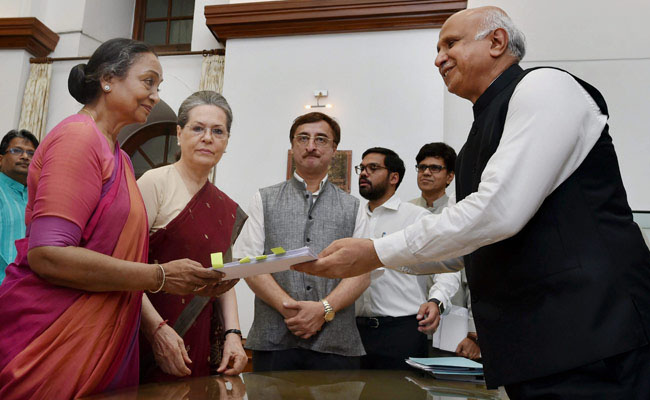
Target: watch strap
(441, 307)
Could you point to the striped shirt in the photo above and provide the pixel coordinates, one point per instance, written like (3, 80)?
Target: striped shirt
(13, 200)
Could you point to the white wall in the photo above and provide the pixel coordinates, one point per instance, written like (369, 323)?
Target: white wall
(202, 38)
(605, 43)
(14, 70)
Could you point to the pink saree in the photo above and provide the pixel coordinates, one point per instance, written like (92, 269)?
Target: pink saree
(59, 342)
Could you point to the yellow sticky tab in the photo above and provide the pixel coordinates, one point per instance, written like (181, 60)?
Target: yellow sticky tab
(278, 251)
(262, 257)
(245, 260)
(217, 260)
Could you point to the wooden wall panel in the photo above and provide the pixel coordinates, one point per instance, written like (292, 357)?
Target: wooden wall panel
(300, 17)
(29, 34)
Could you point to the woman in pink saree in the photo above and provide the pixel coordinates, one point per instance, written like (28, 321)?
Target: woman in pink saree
(71, 301)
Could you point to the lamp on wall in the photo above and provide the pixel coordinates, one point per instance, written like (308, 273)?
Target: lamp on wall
(319, 94)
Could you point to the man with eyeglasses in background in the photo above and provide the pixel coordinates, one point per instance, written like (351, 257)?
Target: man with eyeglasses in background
(435, 165)
(16, 151)
(435, 168)
(387, 312)
(302, 321)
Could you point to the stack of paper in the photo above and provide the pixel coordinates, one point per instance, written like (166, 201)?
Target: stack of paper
(450, 368)
(265, 264)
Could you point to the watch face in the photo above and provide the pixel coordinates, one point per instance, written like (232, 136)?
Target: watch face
(329, 316)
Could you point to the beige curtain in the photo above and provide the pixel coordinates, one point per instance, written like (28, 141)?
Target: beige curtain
(212, 79)
(212, 73)
(33, 113)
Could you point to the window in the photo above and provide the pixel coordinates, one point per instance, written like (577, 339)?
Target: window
(152, 144)
(165, 24)
(151, 147)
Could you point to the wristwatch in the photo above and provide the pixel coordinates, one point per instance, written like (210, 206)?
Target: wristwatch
(329, 311)
(441, 307)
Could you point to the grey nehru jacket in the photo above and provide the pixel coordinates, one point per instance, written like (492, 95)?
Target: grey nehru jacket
(294, 218)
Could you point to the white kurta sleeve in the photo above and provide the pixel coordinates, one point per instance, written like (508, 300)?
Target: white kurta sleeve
(551, 125)
(251, 239)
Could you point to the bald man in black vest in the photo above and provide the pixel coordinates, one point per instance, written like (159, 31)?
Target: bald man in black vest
(559, 272)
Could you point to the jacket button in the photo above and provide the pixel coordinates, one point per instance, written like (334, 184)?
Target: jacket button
(308, 240)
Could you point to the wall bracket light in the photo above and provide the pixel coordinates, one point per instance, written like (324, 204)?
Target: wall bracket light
(319, 94)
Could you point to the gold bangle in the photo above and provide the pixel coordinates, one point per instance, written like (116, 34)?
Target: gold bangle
(163, 280)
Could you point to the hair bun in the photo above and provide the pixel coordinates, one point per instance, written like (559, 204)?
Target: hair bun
(77, 83)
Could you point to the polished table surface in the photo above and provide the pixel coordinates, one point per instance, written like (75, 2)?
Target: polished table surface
(316, 385)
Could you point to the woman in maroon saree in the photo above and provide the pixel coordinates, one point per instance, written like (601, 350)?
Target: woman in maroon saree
(190, 218)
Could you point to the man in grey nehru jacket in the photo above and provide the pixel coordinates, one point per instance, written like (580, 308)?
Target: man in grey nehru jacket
(302, 321)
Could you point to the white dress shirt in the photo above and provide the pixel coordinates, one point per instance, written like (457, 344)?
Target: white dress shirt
(393, 293)
(551, 125)
(251, 239)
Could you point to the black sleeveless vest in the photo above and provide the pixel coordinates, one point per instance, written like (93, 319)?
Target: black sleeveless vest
(573, 286)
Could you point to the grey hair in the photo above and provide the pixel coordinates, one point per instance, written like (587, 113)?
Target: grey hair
(495, 19)
(202, 98)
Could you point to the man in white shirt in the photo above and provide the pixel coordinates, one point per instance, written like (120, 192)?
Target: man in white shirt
(559, 272)
(387, 312)
(435, 166)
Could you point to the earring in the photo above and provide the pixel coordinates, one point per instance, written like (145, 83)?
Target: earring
(107, 88)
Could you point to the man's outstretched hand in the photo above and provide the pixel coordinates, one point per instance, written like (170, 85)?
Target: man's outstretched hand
(344, 258)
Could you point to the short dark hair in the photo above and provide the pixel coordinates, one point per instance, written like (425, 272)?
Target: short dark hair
(316, 117)
(113, 58)
(440, 150)
(392, 161)
(12, 134)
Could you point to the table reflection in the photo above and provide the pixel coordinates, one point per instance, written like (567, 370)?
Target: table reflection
(310, 385)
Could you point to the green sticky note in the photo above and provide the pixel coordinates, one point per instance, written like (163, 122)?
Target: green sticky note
(278, 251)
(217, 260)
(262, 257)
(245, 260)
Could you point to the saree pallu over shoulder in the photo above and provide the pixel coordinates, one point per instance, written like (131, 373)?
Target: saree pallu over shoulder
(58, 342)
(203, 227)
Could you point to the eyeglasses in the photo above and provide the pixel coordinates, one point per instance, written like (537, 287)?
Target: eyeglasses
(371, 168)
(433, 168)
(319, 141)
(216, 132)
(19, 152)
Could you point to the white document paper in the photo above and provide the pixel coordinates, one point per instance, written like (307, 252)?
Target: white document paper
(272, 263)
(452, 329)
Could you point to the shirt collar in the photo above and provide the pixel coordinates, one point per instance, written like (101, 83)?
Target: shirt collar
(320, 186)
(390, 204)
(507, 76)
(7, 181)
(440, 202)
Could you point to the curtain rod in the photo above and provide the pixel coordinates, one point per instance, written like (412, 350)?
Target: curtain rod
(204, 53)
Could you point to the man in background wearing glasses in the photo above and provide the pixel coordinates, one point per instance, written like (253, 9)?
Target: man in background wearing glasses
(387, 312)
(302, 321)
(435, 168)
(435, 165)
(16, 151)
